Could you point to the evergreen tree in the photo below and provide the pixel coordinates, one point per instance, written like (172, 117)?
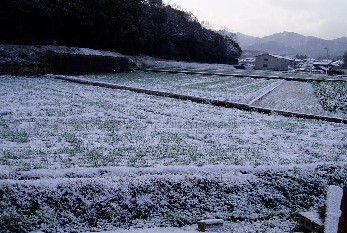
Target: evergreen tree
(302, 57)
(126, 26)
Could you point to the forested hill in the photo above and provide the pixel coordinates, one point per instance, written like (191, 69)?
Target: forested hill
(126, 26)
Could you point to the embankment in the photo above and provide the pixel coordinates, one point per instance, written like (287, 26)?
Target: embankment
(38, 60)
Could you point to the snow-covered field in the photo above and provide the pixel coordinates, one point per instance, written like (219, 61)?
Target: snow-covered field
(54, 124)
(241, 90)
(280, 95)
(83, 158)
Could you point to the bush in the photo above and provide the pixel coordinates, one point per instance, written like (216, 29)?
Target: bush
(332, 95)
(161, 200)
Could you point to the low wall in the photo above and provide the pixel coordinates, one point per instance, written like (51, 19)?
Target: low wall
(85, 64)
(21, 69)
(38, 60)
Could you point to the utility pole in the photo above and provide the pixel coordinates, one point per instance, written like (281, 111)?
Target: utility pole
(327, 67)
(327, 52)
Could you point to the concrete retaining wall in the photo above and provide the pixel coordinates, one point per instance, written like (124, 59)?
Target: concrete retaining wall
(21, 69)
(85, 64)
(38, 60)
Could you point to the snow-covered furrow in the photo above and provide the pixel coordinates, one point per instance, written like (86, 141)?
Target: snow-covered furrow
(102, 127)
(265, 92)
(226, 104)
(173, 199)
(293, 96)
(185, 65)
(234, 89)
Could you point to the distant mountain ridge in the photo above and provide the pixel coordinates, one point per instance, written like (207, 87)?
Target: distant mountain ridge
(290, 44)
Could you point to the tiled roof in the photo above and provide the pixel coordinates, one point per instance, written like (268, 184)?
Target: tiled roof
(276, 56)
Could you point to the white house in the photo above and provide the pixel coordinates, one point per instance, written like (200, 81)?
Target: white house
(248, 63)
(273, 62)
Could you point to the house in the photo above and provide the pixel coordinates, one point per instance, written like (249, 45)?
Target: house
(273, 62)
(248, 63)
(324, 66)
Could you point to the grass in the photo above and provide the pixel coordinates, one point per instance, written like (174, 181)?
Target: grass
(97, 132)
(69, 125)
(332, 95)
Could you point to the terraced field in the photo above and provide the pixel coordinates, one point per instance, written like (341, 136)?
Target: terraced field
(82, 158)
(214, 87)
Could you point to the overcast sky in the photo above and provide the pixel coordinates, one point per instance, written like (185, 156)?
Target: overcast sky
(322, 18)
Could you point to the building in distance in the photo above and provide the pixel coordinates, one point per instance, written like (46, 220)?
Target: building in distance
(273, 62)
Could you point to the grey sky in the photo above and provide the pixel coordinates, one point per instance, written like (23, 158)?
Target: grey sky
(322, 18)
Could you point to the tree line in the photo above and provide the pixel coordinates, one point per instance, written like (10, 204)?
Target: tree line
(127, 26)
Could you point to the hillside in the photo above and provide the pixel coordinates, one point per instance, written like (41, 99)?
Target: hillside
(290, 44)
(125, 26)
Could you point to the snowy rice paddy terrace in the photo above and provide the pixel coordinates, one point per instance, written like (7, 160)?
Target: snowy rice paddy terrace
(82, 158)
(275, 94)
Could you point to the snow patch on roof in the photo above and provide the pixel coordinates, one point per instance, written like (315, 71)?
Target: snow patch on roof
(276, 56)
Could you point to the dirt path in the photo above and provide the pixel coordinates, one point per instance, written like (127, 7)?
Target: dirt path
(292, 96)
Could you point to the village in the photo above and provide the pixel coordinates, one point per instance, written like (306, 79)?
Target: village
(273, 62)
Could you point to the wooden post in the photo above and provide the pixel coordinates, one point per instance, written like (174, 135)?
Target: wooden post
(210, 225)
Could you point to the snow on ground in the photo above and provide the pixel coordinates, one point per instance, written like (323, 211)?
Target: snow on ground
(98, 159)
(158, 63)
(250, 200)
(275, 225)
(295, 97)
(32, 54)
(272, 94)
(188, 229)
(55, 124)
(214, 87)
